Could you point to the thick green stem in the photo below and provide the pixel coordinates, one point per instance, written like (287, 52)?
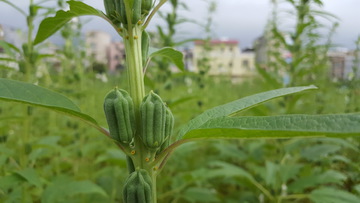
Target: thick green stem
(153, 182)
(132, 41)
(135, 75)
(134, 66)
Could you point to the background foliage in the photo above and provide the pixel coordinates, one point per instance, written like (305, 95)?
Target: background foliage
(46, 157)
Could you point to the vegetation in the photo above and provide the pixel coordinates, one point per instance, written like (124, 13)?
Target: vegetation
(46, 157)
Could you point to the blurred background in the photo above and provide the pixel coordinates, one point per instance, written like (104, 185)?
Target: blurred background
(232, 49)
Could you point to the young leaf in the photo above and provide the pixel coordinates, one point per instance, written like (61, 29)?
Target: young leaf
(288, 126)
(51, 25)
(16, 91)
(174, 55)
(239, 105)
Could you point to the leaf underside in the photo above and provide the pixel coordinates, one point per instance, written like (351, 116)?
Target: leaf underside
(16, 91)
(172, 54)
(287, 126)
(239, 105)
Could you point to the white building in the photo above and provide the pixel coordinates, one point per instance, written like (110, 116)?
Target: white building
(224, 58)
(98, 43)
(342, 63)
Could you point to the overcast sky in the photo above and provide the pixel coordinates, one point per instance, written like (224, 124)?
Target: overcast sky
(242, 20)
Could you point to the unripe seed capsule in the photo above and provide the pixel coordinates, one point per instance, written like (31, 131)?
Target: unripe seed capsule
(146, 6)
(138, 187)
(153, 114)
(120, 9)
(110, 10)
(169, 126)
(136, 15)
(120, 115)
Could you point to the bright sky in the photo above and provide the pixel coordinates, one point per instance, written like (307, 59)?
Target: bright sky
(242, 20)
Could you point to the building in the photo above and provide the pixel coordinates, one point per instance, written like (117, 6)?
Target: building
(104, 51)
(342, 64)
(224, 58)
(98, 43)
(116, 56)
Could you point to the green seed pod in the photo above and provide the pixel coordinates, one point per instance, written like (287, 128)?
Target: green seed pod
(153, 118)
(146, 6)
(136, 8)
(120, 115)
(121, 11)
(110, 10)
(145, 40)
(138, 187)
(169, 126)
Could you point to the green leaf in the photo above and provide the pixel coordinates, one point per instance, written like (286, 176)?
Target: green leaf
(238, 106)
(357, 188)
(10, 181)
(289, 171)
(16, 91)
(287, 126)
(228, 170)
(316, 179)
(8, 47)
(271, 172)
(30, 176)
(63, 188)
(330, 195)
(51, 25)
(172, 54)
(318, 152)
(197, 194)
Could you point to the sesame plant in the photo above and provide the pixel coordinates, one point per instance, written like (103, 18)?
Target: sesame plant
(302, 41)
(141, 124)
(28, 58)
